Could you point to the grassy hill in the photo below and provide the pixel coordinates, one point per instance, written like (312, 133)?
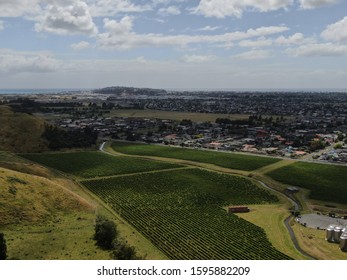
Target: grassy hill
(20, 132)
(47, 216)
(27, 198)
(42, 219)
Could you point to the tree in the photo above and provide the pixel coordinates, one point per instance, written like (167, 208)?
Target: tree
(340, 137)
(317, 145)
(3, 247)
(59, 138)
(105, 232)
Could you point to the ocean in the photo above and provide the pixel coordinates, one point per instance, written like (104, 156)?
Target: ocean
(40, 90)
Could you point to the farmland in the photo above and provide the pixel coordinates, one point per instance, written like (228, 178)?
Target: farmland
(96, 164)
(227, 160)
(326, 182)
(180, 209)
(159, 114)
(181, 212)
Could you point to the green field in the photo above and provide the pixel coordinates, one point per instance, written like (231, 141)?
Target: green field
(181, 212)
(170, 115)
(97, 164)
(227, 160)
(326, 182)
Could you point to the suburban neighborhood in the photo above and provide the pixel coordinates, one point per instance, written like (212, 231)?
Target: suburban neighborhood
(310, 125)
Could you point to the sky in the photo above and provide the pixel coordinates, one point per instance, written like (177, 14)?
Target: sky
(174, 44)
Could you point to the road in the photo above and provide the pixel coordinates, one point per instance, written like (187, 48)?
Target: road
(297, 207)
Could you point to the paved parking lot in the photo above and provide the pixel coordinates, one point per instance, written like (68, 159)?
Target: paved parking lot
(320, 221)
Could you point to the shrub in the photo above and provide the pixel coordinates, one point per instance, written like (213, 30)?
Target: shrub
(124, 252)
(105, 232)
(3, 247)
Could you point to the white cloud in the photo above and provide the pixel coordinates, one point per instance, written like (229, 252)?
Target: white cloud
(17, 8)
(71, 17)
(218, 8)
(253, 55)
(297, 38)
(261, 42)
(171, 10)
(235, 8)
(336, 32)
(311, 50)
(12, 62)
(80, 46)
(100, 8)
(155, 3)
(197, 58)
(312, 4)
(1, 25)
(268, 5)
(124, 26)
(141, 60)
(209, 28)
(119, 35)
(160, 2)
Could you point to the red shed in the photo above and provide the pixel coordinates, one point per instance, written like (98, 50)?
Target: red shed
(238, 209)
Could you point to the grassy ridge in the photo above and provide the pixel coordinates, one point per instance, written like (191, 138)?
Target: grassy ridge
(227, 160)
(41, 219)
(97, 164)
(326, 182)
(181, 213)
(20, 132)
(27, 199)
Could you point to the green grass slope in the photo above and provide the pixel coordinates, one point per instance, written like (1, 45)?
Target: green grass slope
(20, 132)
(41, 219)
(27, 198)
(326, 182)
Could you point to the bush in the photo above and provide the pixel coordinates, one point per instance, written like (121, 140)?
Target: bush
(338, 146)
(3, 247)
(124, 252)
(105, 232)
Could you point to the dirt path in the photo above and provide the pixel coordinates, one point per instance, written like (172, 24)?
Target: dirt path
(137, 173)
(274, 166)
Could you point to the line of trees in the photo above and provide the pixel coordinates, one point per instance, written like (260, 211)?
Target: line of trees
(59, 138)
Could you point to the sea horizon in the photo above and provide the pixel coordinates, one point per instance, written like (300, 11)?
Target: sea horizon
(10, 91)
(40, 90)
